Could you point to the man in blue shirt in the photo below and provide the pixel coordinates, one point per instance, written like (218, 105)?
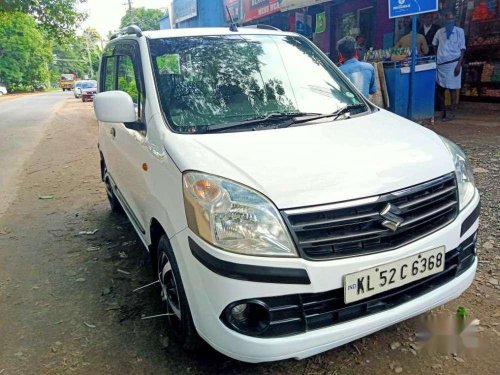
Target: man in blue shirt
(361, 74)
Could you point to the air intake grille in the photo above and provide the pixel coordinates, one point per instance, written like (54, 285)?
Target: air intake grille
(322, 233)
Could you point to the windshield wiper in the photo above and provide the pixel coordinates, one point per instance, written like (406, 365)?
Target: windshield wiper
(269, 119)
(336, 115)
(288, 119)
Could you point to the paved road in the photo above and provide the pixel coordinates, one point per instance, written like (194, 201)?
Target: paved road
(22, 123)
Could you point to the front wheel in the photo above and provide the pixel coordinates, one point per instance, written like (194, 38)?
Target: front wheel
(173, 297)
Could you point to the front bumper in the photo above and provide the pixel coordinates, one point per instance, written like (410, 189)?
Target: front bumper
(210, 292)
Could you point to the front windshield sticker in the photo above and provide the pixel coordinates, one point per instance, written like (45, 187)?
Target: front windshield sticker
(169, 64)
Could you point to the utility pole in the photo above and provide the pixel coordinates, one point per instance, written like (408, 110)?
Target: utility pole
(130, 10)
(87, 39)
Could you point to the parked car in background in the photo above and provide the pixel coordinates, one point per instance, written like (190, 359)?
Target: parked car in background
(3, 89)
(88, 90)
(285, 214)
(77, 91)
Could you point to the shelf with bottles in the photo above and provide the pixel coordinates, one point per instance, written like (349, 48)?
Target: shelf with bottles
(482, 73)
(389, 54)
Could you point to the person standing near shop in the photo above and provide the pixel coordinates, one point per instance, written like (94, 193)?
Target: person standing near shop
(406, 40)
(428, 29)
(361, 47)
(450, 44)
(361, 74)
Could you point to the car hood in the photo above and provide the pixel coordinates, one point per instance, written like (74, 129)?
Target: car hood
(319, 163)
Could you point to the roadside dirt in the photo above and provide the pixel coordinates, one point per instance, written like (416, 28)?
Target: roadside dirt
(66, 301)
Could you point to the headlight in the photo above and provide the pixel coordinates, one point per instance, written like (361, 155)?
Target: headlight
(463, 171)
(234, 217)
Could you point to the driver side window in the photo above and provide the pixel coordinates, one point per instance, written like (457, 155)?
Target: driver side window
(127, 78)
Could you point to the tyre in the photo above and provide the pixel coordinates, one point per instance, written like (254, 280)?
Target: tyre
(180, 324)
(114, 203)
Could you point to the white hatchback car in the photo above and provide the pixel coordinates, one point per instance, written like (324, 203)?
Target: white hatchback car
(3, 90)
(284, 213)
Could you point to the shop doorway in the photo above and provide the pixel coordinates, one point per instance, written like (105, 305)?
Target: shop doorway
(366, 17)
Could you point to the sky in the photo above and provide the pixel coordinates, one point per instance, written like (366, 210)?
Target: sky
(105, 15)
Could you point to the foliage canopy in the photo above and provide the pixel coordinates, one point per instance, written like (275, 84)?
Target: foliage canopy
(59, 18)
(146, 19)
(25, 53)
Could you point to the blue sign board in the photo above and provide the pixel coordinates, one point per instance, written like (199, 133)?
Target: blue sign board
(401, 8)
(184, 9)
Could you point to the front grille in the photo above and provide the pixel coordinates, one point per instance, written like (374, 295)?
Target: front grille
(325, 233)
(298, 313)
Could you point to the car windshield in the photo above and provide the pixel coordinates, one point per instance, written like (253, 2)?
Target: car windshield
(215, 80)
(89, 85)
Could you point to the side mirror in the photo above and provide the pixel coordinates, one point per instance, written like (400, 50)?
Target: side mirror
(114, 106)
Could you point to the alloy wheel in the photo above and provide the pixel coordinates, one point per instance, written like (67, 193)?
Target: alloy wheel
(169, 291)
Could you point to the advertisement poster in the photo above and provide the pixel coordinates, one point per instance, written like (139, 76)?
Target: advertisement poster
(234, 9)
(300, 24)
(254, 9)
(320, 22)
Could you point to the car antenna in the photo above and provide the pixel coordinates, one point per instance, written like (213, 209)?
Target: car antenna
(233, 26)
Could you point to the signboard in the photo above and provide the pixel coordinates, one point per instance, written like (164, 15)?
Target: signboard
(294, 4)
(234, 9)
(184, 10)
(254, 9)
(401, 8)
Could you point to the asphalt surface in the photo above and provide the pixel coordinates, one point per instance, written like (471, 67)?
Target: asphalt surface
(22, 122)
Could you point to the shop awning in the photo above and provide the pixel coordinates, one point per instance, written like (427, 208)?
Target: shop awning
(294, 4)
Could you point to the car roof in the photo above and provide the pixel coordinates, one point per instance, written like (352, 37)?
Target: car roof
(211, 31)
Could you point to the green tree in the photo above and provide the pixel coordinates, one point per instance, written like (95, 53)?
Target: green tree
(25, 53)
(58, 17)
(72, 56)
(146, 19)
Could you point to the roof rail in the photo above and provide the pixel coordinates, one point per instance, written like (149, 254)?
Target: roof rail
(128, 30)
(262, 26)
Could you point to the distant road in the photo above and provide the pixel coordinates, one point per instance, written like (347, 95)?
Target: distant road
(22, 123)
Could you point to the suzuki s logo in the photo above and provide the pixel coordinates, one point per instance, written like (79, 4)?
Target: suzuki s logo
(390, 214)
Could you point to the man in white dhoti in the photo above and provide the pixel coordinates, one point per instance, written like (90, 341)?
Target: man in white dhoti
(450, 43)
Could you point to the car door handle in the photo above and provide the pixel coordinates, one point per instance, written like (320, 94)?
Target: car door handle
(113, 132)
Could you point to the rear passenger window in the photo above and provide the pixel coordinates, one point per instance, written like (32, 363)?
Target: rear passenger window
(126, 78)
(109, 78)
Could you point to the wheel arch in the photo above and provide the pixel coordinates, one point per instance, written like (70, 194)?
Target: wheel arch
(156, 230)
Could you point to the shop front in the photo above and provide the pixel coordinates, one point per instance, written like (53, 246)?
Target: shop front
(326, 21)
(482, 68)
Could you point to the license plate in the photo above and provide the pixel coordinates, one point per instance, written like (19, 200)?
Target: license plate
(378, 279)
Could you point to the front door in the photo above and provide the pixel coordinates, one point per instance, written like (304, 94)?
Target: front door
(130, 143)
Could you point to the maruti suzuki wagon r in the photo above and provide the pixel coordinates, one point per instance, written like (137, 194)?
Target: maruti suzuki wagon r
(285, 214)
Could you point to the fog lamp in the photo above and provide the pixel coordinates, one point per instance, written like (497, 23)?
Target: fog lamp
(239, 312)
(248, 317)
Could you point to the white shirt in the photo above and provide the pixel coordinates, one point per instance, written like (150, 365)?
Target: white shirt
(449, 49)
(426, 29)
